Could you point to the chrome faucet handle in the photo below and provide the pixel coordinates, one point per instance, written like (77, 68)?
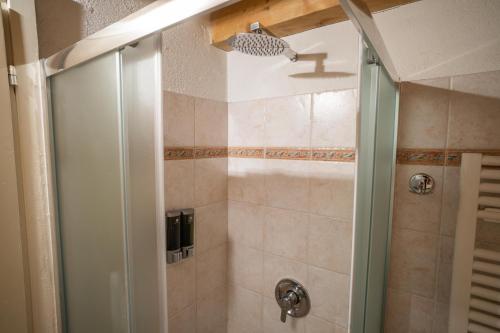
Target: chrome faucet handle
(287, 304)
(292, 298)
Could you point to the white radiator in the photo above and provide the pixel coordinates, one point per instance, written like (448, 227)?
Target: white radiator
(475, 288)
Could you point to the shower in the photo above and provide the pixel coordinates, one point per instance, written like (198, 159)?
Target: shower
(260, 42)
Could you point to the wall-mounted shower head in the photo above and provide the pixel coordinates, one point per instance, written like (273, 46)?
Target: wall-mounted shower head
(261, 43)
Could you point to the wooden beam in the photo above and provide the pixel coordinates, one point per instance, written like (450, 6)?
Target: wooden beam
(283, 17)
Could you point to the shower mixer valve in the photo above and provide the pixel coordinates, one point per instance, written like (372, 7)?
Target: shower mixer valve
(292, 298)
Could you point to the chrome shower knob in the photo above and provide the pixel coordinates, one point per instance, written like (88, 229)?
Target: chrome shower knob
(292, 298)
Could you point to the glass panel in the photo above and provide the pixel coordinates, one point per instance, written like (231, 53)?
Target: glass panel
(88, 161)
(141, 108)
(374, 186)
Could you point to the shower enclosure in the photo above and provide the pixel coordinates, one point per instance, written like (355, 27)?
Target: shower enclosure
(107, 128)
(107, 152)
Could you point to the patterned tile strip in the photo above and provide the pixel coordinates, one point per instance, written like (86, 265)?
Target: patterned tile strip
(454, 156)
(421, 156)
(210, 152)
(450, 157)
(178, 153)
(246, 152)
(289, 153)
(333, 154)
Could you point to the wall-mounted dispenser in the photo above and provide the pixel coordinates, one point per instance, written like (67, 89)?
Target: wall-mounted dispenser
(187, 232)
(173, 229)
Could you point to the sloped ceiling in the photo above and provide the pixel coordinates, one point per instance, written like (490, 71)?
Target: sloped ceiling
(439, 38)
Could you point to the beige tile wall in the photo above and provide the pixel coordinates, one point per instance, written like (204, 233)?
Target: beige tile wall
(451, 113)
(197, 286)
(290, 218)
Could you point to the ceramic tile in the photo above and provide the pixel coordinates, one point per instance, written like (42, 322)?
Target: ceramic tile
(210, 181)
(287, 184)
(181, 285)
(446, 248)
(277, 268)
(330, 292)
(444, 275)
(318, 325)
(179, 184)
(246, 224)
(244, 311)
(183, 322)
(330, 243)
(417, 212)
(413, 262)
(423, 116)
(210, 226)
(334, 119)
(332, 189)
(210, 123)
(288, 121)
(178, 120)
(285, 233)
(245, 267)
(474, 122)
(440, 324)
(272, 323)
(451, 193)
(246, 178)
(246, 123)
(211, 311)
(408, 313)
(211, 271)
(483, 84)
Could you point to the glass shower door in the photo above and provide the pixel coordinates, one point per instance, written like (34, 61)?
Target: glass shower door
(87, 130)
(108, 168)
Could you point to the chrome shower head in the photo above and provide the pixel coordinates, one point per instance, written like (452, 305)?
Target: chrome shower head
(260, 43)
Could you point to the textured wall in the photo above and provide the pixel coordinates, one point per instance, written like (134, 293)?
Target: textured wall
(191, 65)
(63, 22)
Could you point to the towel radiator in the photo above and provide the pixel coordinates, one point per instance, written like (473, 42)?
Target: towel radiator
(475, 288)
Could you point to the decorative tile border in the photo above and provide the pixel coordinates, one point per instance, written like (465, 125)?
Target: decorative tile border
(246, 152)
(189, 153)
(333, 154)
(416, 156)
(285, 153)
(421, 156)
(449, 157)
(178, 153)
(454, 156)
(210, 152)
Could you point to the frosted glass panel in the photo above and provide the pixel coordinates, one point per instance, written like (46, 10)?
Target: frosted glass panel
(86, 118)
(141, 100)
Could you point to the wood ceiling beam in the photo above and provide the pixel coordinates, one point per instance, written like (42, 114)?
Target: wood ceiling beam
(283, 17)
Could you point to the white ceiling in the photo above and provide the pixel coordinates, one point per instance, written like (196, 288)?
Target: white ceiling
(440, 38)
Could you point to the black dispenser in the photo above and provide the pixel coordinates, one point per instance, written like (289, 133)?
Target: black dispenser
(187, 232)
(173, 229)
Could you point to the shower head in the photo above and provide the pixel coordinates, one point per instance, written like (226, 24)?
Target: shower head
(260, 43)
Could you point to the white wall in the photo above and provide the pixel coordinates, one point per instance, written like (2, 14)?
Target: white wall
(191, 66)
(251, 77)
(442, 38)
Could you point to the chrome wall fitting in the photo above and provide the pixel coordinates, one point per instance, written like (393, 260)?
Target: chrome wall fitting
(292, 298)
(421, 183)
